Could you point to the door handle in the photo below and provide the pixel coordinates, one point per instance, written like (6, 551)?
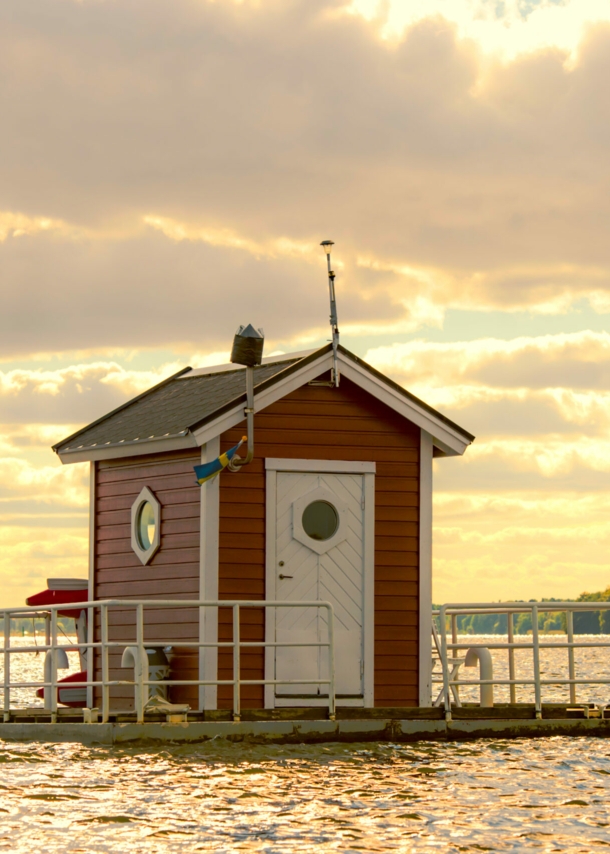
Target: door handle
(285, 576)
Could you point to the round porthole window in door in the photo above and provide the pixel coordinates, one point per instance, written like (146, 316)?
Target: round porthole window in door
(320, 520)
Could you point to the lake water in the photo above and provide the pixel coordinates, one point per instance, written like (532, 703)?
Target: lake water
(543, 795)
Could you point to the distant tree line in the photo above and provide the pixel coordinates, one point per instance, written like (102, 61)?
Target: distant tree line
(585, 623)
(22, 626)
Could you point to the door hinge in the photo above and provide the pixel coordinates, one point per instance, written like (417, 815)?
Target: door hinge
(362, 668)
(362, 503)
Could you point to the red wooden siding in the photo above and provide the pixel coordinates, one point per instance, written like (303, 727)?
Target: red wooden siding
(172, 573)
(329, 424)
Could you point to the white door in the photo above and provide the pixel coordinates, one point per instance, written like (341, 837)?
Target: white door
(319, 555)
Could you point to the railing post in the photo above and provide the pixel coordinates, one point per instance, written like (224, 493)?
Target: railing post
(331, 662)
(536, 651)
(90, 656)
(511, 658)
(454, 654)
(445, 663)
(54, 691)
(236, 665)
(105, 667)
(571, 665)
(142, 668)
(7, 667)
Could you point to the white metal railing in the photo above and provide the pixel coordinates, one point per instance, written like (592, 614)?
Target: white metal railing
(448, 649)
(140, 682)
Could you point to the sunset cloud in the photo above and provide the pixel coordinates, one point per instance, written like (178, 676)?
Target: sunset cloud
(460, 180)
(168, 170)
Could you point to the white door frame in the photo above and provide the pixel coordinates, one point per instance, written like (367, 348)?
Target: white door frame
(367, 469)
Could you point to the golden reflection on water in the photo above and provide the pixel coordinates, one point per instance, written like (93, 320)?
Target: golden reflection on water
(542, 795)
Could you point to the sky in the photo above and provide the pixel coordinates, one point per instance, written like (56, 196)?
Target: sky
(168, 169)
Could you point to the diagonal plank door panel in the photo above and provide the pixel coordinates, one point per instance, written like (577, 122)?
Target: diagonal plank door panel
(335, 576)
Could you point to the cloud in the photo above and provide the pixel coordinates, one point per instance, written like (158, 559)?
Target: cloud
(26, 561)
(56, 486)
(578, 360)
(493, 545)
(76, 394)
(511, 27)
(164, 157)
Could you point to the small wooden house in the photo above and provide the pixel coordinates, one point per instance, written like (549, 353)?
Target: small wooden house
(336, 506)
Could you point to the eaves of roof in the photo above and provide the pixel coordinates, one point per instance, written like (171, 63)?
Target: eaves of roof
(185, 436)
(407, 394)
(121, 408)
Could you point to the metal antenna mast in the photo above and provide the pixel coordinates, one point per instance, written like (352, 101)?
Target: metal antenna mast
(327, 245)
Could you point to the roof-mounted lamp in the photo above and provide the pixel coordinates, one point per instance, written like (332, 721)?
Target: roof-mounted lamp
(248, 351)
(327, 245)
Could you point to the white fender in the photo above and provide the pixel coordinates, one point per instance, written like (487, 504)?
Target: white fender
(61, 657)
(486, 671)
(131, 656)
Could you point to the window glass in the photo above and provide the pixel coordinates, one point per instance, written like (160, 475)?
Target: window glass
(146, 525)
(320, 520)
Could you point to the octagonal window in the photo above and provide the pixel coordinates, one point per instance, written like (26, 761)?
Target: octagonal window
(145, 525)
(320, 520)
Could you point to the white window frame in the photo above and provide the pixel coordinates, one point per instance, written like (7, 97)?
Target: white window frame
(145, 555)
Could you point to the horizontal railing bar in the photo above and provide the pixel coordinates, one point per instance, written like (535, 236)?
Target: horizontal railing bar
(521, 608)
(131, 604)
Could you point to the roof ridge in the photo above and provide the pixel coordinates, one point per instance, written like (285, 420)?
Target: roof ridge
(261, 385)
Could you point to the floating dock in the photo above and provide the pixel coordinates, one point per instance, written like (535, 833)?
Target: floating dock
(301, 726)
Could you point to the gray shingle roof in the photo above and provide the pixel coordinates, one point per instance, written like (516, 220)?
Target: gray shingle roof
(183, 403)
(171, 408)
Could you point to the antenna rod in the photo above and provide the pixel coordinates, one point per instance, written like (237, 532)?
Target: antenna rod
(328, 244)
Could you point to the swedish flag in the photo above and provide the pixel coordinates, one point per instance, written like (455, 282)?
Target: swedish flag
(208, 471)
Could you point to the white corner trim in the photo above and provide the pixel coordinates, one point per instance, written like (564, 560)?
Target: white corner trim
(270, 585)
(91, 584)
(369, 591)
(450, 440)
(320, 466)
(208, 577)
(425, 570)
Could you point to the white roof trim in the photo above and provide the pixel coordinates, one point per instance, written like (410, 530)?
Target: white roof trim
(448, 440)
(444, 437)
(264, 398)
(131, 449)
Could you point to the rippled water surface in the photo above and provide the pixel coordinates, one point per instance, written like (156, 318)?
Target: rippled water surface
(541, 795)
